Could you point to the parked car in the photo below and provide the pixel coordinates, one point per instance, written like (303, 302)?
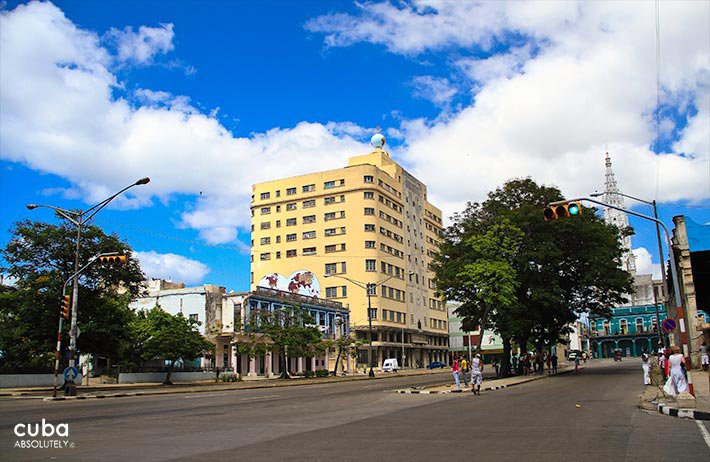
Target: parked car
(436, 365)
(574, 354)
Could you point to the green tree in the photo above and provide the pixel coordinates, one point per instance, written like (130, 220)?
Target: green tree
(159, 335)
(344, 346)
(562, 268)
(288, 331)
(40, 256)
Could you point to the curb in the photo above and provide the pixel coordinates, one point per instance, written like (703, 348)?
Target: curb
(683, 413)
(409, 391)
(115, 395)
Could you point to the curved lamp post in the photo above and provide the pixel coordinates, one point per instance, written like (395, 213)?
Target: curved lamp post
(79, 218)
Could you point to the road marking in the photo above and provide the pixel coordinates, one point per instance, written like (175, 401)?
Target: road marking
(204, 396)
(371, 386)
(260, 397)
(704, 431)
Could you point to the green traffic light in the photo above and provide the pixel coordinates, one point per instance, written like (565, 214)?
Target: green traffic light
(573, 209)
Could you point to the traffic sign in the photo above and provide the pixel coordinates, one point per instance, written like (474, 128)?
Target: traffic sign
(669, 325)
(71, 373)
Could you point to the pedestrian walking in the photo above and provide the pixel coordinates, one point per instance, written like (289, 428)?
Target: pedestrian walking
(677, 381)
(553, 361)
(464, 372)
(514, 361)
(476, 374)
(548, 361)
(662, 361)
(646, 366)
(576, 364)
(496, 366)
(704, 359)
(455, 372)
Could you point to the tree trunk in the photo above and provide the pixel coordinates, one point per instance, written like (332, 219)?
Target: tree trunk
(337, 361)
(284, 363)
(505, 362)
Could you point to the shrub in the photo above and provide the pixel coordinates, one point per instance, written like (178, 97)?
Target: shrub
(322, 373)
(309, 374)
(229, 377)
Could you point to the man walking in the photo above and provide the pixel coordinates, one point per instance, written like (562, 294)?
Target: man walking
(704, 360)
(553, 361)
(464, 371)
(476, 374)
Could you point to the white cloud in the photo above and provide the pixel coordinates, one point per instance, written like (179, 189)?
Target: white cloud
(59, 116)
(583, 83)
(435, 89)
(644, 263)
(171, 266)
(142, 46)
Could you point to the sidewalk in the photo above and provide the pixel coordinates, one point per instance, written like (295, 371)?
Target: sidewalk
(489, 384)
(142, 389)
(653, 398)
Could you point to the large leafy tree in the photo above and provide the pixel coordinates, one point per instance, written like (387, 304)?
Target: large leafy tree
(561, 268)
(159, 335)
(40, 258)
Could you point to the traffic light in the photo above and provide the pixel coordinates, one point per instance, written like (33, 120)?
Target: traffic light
(569, 209)
(114, 259)
(66, 306)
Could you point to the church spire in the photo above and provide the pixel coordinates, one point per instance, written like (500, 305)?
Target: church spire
(617, 217)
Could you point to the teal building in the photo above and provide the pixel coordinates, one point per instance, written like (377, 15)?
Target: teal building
(630, 329)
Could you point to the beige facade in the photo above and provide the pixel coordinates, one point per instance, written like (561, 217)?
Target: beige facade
(369, 222)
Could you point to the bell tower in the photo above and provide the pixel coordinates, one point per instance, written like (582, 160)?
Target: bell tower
(617, 217)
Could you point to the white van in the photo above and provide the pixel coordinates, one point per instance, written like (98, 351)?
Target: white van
(390, 365)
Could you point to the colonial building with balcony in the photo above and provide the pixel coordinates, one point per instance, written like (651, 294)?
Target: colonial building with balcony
(630, 329)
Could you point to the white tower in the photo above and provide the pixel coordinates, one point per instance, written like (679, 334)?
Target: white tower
(617, 217)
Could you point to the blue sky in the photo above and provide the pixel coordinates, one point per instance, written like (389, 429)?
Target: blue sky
(208, 98)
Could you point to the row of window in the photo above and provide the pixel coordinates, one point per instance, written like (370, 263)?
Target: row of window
(394, 316)
(392, 293)
(393, 205)
(437, 323)
(332, 268)
(304, 252)
(326, 185)
(390, 234)
(390, 219)
(305, 220)
(392, 270)
(332, 292)
(432, 217)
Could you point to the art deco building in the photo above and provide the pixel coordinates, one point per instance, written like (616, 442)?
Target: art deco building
(367, 223)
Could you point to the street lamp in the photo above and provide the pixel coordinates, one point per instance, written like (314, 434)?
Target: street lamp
(660, 252)
(79, 218)
(370, 288)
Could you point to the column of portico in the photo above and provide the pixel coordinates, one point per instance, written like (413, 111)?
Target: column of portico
(300, 364)
(235, 358)
(252, 367)
(349, 362)
(268, 364)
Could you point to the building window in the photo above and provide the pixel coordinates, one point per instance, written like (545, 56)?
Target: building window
(291, 253)
(265, 195)
(309, 235)
(290, 191)
(369, 228)
(343, 291)
(278, 193)
(265, 241)
(331, 292)
(291, 206)
(278, 255)
(265, 225)
(373, 313)
(331, 268)
(290, 237)
(329, 184)
(639, 325)
(369, 211)
(278, 208)
(290, 222)
(370, 265)
(369, 244)
(622, 326)
(194, 317)
(265, 256)
(368, 195)
(309, 203)
(342, 268)
(278, 239)
(309, 219)
(265, 210)
(309, 188)
(369, 179)
(309, 251)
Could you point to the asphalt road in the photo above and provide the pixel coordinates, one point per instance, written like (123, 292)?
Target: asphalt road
(356, 421)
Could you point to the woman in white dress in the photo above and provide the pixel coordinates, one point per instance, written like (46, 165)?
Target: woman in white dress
(680, 383)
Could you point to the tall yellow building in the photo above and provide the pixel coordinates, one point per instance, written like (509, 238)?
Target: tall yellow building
(367, 223)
